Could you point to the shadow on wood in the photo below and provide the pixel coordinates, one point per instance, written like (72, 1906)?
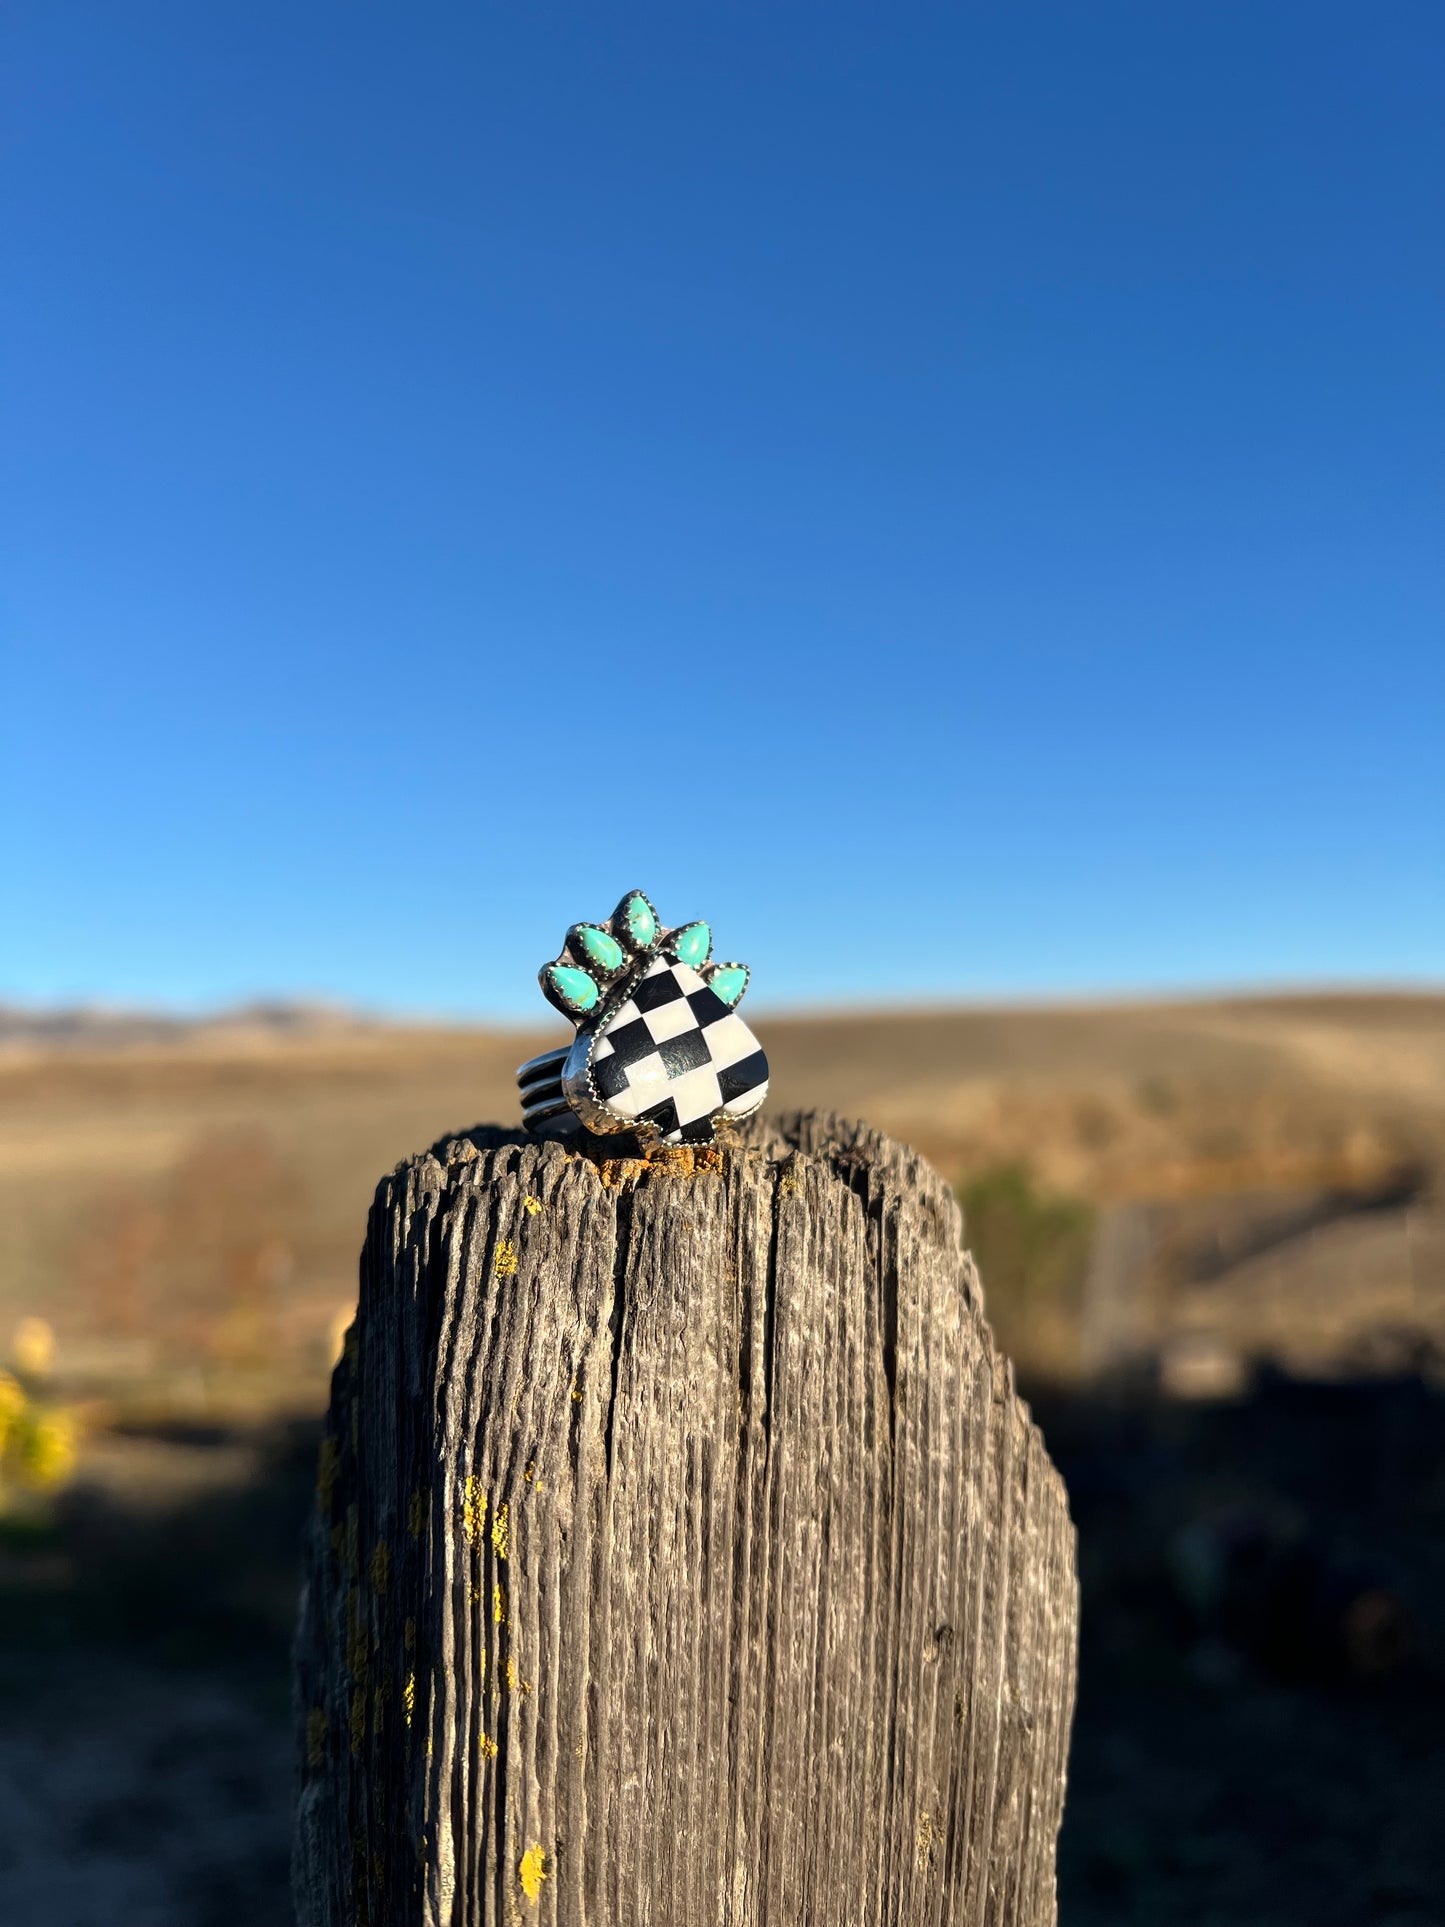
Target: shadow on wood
(682, 1554)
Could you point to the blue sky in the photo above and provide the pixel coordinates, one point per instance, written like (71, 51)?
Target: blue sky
(953, 495)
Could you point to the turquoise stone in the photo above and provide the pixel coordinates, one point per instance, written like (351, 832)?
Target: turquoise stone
(730, 982)
(691, 945)
(641, 923)
(574, 987)
(598, 947)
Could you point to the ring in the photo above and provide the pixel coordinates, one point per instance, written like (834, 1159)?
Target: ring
(660, 1050)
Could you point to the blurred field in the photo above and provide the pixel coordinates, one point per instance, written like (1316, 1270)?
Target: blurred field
(1243, 1180)
(1212, 1236)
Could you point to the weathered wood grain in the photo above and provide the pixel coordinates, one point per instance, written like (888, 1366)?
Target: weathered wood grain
(682, 1554)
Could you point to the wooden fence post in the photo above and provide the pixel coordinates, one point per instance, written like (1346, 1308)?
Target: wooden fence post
(682, 1554)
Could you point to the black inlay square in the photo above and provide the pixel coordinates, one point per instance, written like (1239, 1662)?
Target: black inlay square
(698, 1133)
(653, 992)
(684, 1053)
(663, 1115)
(609, 1078)
(738, 1079)
(630, 1041)
(706, 1005)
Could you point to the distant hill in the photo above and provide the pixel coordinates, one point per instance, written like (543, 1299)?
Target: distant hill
(97, 1026)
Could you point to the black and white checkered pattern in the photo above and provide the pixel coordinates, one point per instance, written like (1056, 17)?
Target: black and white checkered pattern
(674, 1055)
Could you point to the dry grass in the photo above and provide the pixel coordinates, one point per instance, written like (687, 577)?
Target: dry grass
(186, 1209)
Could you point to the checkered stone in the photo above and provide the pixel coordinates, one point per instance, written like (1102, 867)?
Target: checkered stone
(675, 1056)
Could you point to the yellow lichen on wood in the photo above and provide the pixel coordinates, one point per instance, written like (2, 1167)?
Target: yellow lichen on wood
(533, 1871)
(533, 1206)
(501, 1531)
(504, 1263)
(925, 1840)
(416, 1514)
(512, 1679)
(489, 1747)
(474, 1510)
(408, 1697)
(499, 1604)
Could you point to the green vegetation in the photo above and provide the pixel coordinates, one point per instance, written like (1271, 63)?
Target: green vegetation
(1031, 1247)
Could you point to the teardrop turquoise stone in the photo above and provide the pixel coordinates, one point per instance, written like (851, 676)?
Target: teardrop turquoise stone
(692, 944)
(603, 950)
(729, 983)
(641, 924)
(574, 987)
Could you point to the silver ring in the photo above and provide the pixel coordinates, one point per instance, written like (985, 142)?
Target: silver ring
(543, 1103)
(660, 1051)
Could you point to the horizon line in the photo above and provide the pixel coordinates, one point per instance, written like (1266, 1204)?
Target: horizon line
(301, 1008)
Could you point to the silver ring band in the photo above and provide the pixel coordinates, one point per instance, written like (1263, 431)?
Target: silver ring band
(544, 1105)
